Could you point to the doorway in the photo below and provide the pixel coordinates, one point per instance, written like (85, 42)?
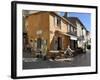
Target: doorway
(39, 43)
(59, 43)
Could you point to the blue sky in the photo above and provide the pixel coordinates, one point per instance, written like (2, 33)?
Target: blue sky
(85, 18)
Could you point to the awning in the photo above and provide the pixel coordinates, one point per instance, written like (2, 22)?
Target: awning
(63, 33)
(73, 38)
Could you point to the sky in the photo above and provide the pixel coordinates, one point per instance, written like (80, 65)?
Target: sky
(85, 18)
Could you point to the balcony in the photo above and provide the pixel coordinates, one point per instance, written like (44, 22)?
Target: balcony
(72, 33)
(81, 38)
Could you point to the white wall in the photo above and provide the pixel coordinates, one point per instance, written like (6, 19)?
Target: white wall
(84, 33)
(79, 29)
(5, 40)
(79, 33)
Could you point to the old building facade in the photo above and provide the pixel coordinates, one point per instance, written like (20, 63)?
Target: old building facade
(81, 31)
(50, 30)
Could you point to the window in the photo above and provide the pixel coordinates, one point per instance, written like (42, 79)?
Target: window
(68, 27)
(58, 21)
(71, 29)
(54, 20)
(75, 31)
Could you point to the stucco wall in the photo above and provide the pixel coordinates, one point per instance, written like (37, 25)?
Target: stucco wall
(45, 22)
(37, 22)
(53, 34)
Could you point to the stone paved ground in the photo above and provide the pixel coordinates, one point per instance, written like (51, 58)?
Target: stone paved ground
(79, 60)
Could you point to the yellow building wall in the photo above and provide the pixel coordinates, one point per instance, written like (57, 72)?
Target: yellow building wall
(44, 21)
(36, 22)
(53, 28)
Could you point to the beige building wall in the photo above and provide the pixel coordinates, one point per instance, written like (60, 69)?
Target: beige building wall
(54, 31)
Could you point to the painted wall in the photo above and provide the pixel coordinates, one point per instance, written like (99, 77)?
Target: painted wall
(54, 34)
(46, 22)
(37, 23)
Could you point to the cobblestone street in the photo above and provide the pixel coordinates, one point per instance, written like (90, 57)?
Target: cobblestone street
(76, 61)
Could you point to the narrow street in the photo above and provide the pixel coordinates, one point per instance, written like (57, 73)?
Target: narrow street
(76, 61)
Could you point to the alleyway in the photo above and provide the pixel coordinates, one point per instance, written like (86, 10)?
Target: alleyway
(79, 60)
